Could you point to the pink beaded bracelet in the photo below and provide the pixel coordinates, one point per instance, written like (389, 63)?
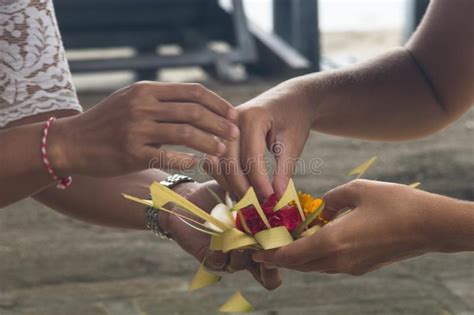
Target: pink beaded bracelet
(63, 183)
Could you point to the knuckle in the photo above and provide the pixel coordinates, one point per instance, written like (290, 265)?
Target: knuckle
(140, 87)
(356, 185)
(194, 113)
(183, 133)
(197, 90)
(249, 115)
(135, 109)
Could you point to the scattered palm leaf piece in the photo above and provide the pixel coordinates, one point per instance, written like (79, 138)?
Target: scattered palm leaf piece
(203, 278)
(273, 238)
(361, 169)
(289, 196)
(414, 185)
(309, 219)
(250, 198)
(237, 303)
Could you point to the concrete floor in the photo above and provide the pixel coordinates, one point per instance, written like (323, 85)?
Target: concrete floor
(51, 264)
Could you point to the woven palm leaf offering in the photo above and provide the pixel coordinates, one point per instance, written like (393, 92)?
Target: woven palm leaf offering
(247, 224)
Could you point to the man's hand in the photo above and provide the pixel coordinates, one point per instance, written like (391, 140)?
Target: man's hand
(197, 243)
(389, 222)
(125, 131)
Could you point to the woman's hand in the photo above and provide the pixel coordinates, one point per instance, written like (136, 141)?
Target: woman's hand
(278, 120)
(389, 222)
(197, 243)
(124, 132)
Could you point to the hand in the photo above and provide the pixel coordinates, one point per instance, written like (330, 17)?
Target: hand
(197, 243)
(278, 120)
(125, 131)
(389, 222)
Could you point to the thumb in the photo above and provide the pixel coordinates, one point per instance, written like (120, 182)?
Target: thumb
(341, 198)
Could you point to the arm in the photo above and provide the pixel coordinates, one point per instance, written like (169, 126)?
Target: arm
(120, 135)
(388, 223)
(99, 201)
(407, 93)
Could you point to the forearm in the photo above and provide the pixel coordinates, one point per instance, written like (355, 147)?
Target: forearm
(386, 98)
(99, 200)
(407, 93)
(452, 224)
(22, 171)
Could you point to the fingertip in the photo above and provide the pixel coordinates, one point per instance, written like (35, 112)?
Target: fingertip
(220, 149)
(234, 132)
(270, 266)
(182, 162)
(258, 257)
(279, 184)
(264, 192)
(232, 114)
(216, 261)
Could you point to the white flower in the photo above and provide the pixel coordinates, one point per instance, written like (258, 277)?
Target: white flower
(223, 213)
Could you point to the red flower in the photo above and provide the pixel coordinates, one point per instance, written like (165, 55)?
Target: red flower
(288, 216)
(252, 219)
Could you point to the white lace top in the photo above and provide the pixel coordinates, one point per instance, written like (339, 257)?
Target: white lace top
(34, 74)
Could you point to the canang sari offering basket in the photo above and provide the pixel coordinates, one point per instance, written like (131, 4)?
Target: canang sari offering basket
(247, 224)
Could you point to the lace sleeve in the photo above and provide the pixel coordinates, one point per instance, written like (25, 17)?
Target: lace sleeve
(34, 74)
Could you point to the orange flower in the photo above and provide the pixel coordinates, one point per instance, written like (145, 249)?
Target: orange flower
(309, 203)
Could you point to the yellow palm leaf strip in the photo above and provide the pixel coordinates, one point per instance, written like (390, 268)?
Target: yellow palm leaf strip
(181, 216)
(250, 198)
(289, 196)
(234, 239)
(244, 224)
(142, 201)
(162, 195)
(310, 218)
(274, 238)
(237, 303)
(203, 229)
(362, 168)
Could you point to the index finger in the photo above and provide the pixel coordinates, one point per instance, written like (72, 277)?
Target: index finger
(252, 147)
(197, 93)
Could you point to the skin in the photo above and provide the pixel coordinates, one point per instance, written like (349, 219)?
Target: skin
(407, 93)
(120, 135)
(389, 222)
(99, 143)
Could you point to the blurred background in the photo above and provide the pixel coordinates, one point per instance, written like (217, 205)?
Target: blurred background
(51, 264)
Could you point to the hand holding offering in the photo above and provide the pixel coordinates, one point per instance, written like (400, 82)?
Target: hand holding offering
(388, 223)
